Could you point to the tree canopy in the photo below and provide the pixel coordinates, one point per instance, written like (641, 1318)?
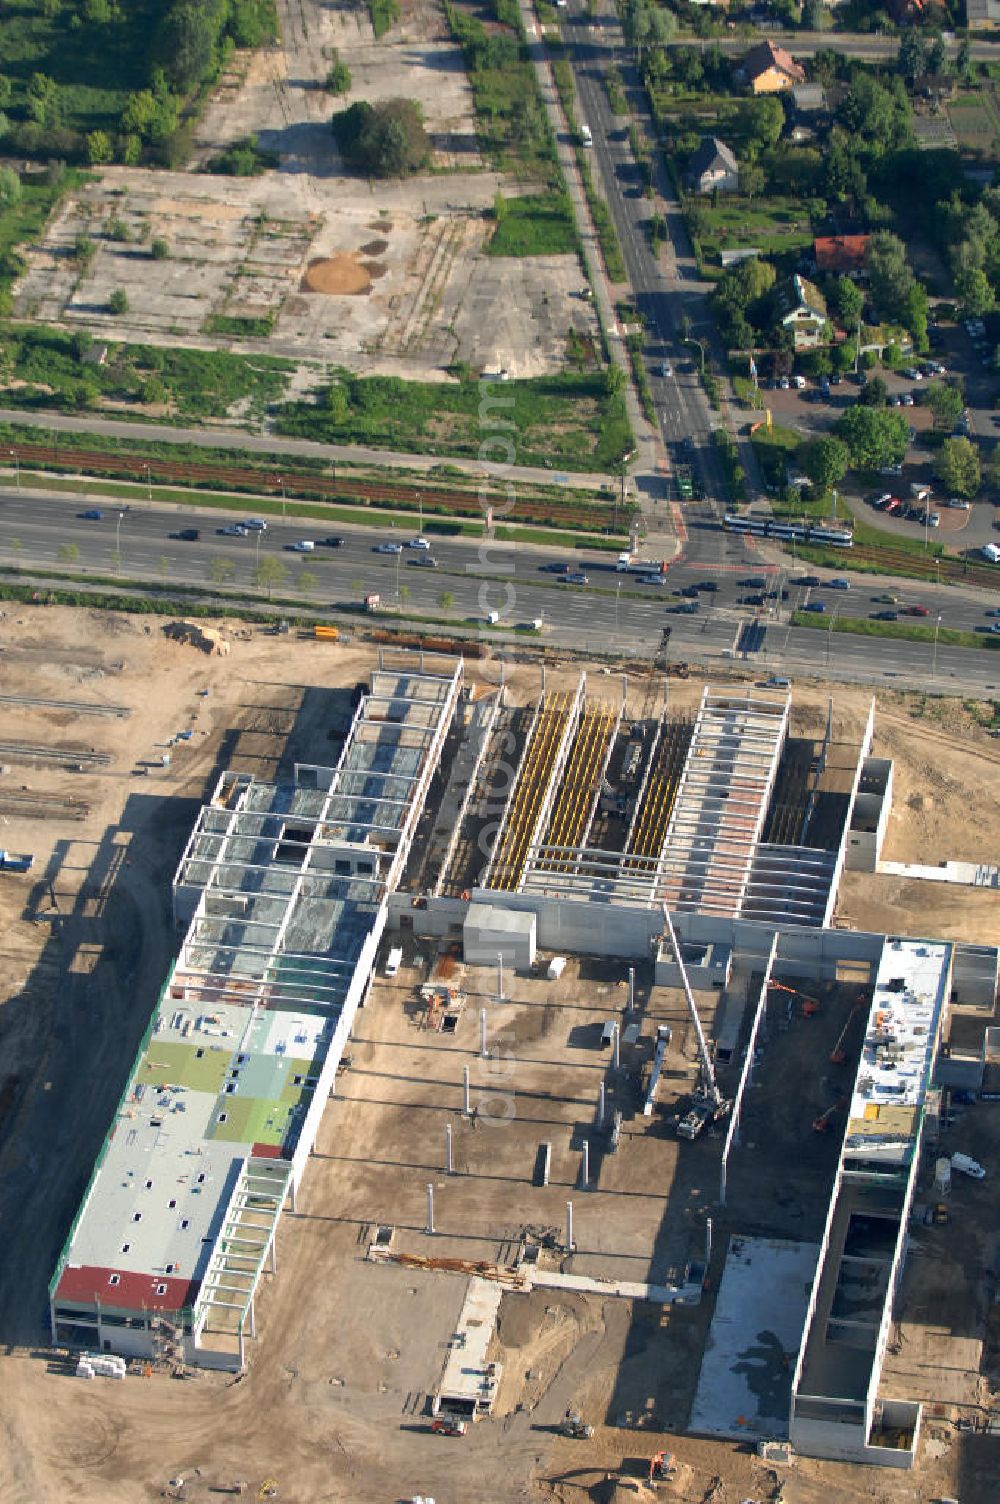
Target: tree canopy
(875, 436)
(387, 139)
(956, 466)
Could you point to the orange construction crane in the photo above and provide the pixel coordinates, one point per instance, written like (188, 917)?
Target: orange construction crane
(823, 1123)
(838, 1054)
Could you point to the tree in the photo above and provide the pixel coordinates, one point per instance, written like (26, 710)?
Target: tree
(753, 180)
(387, 139)
(69, 553)
(338, 77)
(912, 58)
(945, 401)
(6, 91)
(956, 466)
(845, 301)
(306, 582)
(42, 99)
(874, 393)
(118, 301)
(269, 573)
(404, 595)
(446, 600)
(875, 436)
(160, 249)
(764, 120)
(974, 292)
(187, 38)
(963, 60)
(889, 274)
(99, 148)
(84, 249)
(222, 571)
(825, 461)
(10, 188)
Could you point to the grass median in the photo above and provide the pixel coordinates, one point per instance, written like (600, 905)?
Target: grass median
(912, 631)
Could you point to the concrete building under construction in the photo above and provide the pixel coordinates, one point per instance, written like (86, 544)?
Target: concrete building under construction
(576, 825)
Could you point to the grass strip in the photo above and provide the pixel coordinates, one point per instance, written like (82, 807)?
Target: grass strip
(863, 626)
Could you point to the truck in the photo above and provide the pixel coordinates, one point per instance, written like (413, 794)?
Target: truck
(685, 482)
(630, 563)
(12, 861)
(586, 136)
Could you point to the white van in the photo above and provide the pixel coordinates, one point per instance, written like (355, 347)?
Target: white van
(394, 961)
(586, 135)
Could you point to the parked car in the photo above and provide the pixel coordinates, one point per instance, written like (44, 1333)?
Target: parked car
(255, 525)
(814, 606)
(576, 577)
(885, 616)
(233, 530)
(92, 514)
(959, 504)
(838, 583)
(554, 568)
(423, 561)
(333, 542)
(754, 582)
(751, 600)
(388, 548)
(303, 546)
(684, 608)
(709, 585)
(807, 579)
(189, 534)
(418, 543)
(914, 611)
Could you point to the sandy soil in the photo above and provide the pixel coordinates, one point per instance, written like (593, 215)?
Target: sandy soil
(331, 1408)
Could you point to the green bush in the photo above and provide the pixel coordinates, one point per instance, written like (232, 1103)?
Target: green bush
(387, 139)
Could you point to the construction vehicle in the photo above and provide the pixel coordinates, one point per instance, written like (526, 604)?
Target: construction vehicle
(708, 1104)
(662, 1465)
(572, 1425)
(810, 1005)
(824, 1122)
(325, 634)
(449, 1425)
(838, 1054)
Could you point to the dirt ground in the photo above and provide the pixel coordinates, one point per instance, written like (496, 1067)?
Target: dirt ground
(332, 1405)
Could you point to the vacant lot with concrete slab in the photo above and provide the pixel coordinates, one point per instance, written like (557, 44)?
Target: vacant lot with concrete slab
(305, 261)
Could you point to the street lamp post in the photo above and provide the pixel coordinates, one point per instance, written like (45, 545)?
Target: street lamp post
(118, 542)
(937, 628)
(618, 596)
(17, 467)
(149, 484)
(690, 340)
(281, 483)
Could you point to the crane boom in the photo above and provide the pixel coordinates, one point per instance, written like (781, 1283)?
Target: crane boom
(710, 1087)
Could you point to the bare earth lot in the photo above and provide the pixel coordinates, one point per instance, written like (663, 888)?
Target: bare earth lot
(332, 1407)
(380, 277)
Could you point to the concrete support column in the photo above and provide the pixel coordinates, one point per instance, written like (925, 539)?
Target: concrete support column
(600, 1105)
(430, 1210)
(253, 1320)
(482, 1033)
(570, 1245)
(585, 1166)
(466, 1105)
(448, 1163)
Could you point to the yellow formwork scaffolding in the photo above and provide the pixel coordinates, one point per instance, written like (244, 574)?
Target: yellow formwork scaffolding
(583, 773)
(529, 791)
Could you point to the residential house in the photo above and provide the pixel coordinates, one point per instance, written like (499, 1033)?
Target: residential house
(801, 308)
(843, 255)
(769, 69)
(713, 168)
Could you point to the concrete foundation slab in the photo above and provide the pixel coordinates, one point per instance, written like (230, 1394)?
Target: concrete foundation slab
(746, 1374)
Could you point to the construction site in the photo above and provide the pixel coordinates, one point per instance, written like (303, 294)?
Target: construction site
(516, 1115)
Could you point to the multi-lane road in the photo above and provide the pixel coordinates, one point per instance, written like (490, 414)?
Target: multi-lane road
(471, 579)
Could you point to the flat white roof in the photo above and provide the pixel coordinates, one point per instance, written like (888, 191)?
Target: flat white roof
(894, 1073)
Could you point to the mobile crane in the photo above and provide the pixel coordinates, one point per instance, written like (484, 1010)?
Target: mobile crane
(708, 1104)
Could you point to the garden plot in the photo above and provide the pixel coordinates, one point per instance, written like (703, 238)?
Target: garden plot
(278, 94)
